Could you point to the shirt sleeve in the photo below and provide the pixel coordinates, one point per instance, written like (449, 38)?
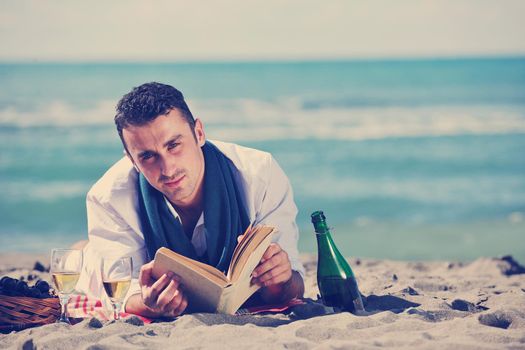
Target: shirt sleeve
(278, 209)
(109, 235)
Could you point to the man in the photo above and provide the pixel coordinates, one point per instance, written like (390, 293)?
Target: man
(176, 189)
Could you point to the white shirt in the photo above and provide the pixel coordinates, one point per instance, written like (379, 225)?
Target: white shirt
(114, 224)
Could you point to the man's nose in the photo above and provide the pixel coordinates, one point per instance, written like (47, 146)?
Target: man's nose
(168, 167)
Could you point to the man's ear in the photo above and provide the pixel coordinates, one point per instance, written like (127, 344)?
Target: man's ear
(199, 133)
(132, 161)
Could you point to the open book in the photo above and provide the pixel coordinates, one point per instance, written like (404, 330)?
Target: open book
(208, 289)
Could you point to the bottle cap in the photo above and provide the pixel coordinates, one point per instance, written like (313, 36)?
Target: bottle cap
(318, 216)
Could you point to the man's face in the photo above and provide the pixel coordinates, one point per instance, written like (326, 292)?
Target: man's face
(169, 155)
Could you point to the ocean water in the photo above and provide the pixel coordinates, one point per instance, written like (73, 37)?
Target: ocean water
(409, 159)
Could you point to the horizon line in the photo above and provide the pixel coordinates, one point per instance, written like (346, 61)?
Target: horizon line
(248, 60)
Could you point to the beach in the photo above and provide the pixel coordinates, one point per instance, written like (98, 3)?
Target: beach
(410, 304)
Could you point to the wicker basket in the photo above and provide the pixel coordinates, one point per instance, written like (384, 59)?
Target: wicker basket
(22, 312)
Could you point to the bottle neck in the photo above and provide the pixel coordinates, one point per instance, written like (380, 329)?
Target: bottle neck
(324, 240)
(321, 228)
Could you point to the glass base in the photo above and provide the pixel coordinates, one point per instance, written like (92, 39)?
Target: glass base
(63, 320)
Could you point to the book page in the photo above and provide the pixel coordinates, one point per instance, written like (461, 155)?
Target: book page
(246, 236)
(247, 251)
(242, 288)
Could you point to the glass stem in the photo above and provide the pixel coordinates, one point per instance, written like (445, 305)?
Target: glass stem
(64, 298)
(116, 310)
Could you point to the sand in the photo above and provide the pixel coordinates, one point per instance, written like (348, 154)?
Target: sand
(418, 305)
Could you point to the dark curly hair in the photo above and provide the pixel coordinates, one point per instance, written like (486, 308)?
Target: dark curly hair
(148, 101)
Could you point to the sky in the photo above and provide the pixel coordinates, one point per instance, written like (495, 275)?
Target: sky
(164, 30)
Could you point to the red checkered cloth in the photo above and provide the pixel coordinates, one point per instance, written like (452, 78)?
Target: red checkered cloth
(80, 306)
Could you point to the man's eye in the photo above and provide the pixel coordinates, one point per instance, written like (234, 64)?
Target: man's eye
(146, 157)
(172, 146)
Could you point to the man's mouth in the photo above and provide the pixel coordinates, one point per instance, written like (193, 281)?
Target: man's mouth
(175, 182)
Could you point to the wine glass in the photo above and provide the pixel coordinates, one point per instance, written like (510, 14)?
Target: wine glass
(116, 278)
(65, 269)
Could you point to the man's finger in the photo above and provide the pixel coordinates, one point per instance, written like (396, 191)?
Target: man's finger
(181, 307)
(272, 249)
(167, 295)
(174, 303)
(145, 274)
(280, 278)
(277, 259)
(158, 286)
(276, 271)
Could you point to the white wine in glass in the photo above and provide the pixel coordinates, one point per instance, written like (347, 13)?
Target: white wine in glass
(66, 265)
(116, 278)
(65, 282)
(117, 290)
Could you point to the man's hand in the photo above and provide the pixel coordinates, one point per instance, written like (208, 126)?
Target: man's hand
(274, 273)
(274, 268)
(158, 298)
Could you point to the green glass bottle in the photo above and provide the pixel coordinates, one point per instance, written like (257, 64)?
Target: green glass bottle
(335, 278)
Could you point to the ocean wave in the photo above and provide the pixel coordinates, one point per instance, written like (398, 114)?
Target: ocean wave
(455, 191)
(249, 119)
(43, 191)
(58, 113)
